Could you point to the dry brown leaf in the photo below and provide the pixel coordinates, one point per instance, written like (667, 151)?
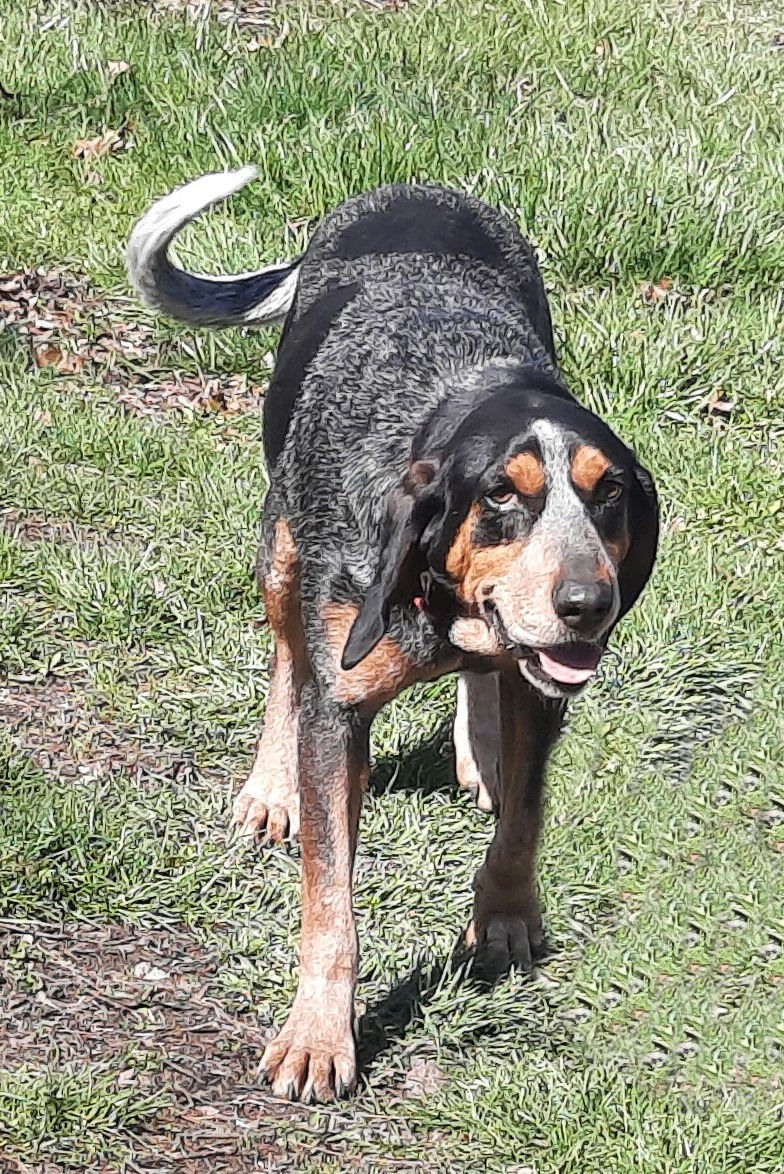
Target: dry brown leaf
(423, 1078)
(191, 393)
(71, 364)
(47, 355)
(656, 291)
(109, 143)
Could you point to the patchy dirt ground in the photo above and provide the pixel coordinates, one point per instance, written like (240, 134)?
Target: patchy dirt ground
(146, 998)
(53, 724)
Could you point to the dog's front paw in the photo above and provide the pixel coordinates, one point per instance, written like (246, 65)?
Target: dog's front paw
(506, 930)
(503, 943)
(313, 1059)
(267, 812)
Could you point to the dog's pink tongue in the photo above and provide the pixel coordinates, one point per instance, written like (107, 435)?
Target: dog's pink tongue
(572, 664)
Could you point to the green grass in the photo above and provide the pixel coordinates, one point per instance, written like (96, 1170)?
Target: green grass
(74, 1115)
(632, 142)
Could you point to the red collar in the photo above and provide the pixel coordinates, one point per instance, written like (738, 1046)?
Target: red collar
(420, 601)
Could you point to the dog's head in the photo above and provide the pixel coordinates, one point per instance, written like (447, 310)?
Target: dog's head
(533, 519)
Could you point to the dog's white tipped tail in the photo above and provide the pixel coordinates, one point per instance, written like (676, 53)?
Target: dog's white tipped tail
(237, 300)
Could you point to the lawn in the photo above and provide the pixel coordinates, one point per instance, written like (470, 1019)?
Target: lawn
(147, 954)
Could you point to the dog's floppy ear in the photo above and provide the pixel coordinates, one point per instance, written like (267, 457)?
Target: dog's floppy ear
(635, 570)
(407, 517)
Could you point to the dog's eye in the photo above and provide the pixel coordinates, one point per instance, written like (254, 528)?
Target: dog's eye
(610, 492)
(501, 499)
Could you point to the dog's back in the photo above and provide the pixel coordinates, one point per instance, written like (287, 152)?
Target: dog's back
(378, 269)
(407, 229)
(404, 293)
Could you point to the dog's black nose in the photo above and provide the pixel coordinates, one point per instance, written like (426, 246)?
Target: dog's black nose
(583, 605)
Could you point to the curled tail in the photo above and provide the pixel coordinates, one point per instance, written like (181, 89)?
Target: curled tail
(242, 299)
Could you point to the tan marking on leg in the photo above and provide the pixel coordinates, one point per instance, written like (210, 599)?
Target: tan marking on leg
(314, 1057)
(526, 473)
(589, 465)
(477, 736)
(268, 804)
(507, 924)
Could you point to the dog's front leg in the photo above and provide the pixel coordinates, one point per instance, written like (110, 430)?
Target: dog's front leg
(314, 1057)
(507, 924)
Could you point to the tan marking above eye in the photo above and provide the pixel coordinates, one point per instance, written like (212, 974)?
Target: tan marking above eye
(526, 473)
(589, 465)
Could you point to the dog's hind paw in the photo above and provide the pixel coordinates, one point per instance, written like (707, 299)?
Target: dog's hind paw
(470, 780)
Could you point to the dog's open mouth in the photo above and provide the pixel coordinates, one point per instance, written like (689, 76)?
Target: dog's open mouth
(569, 665)
(566, 666)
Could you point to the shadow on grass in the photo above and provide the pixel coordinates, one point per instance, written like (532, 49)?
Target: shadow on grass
(385, 1022)
(426, 767)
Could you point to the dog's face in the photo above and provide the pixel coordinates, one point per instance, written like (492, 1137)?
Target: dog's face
(539, 552)
(539, 525)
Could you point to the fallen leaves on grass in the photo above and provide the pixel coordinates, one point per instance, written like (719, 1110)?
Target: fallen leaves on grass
(148, 1006)
(269, 41)
(54, 725)
(48, 355)
(39, 301)
(245, 13)
(191, 393)
(32, 527)
(386, 5)
(73, 331)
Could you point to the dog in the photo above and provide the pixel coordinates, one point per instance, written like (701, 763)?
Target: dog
(439, 502)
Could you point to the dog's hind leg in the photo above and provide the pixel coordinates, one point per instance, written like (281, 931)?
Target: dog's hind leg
(477, 737)
(268, 804)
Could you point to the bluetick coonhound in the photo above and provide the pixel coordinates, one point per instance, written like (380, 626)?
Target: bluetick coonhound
(438, 502)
